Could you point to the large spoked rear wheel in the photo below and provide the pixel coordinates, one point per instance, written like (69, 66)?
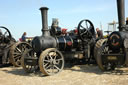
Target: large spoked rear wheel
(51, 61)
(27, 61)
(16, 52)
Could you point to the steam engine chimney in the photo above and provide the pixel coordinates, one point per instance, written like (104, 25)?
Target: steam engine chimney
(45, 31)
(121, 14)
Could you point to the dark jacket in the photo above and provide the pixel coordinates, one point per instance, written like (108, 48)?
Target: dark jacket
(23, 38)
(100, 34)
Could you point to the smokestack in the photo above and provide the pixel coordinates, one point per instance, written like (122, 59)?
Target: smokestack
(45, 31)
(121, 14)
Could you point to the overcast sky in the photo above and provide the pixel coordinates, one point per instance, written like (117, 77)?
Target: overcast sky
(24, 15)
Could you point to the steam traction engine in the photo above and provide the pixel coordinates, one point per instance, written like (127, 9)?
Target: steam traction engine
(113, 51)
(10, 50)
(49, 50)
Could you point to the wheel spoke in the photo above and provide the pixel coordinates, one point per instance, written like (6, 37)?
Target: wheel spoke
(18, 49)
(82, 27)
(47, 61)
(16, 53)
(46, 64)
(54, 55)
(59, 59)
(17, 57)
(83, 33)
(86, 24)
(57, 67)
(50, 57)
(5, 33)
(23, 47)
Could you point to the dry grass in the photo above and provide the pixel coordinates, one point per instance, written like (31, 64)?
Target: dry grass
(77, 75)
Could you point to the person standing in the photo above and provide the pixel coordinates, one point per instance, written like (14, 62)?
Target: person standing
(99, 33)
(23, 38)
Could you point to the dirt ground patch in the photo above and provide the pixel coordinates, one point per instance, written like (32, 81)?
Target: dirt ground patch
(77, 75)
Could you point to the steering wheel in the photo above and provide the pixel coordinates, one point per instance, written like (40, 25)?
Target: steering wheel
(5, 35)
(85, 29)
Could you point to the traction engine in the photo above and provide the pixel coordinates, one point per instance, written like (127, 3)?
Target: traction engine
(113, 51)
(51, 48)
(10, 50)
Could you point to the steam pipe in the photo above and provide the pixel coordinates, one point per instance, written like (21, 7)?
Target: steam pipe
(121, 14)
(45, 31)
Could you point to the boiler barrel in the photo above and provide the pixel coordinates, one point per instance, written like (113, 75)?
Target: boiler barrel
(41, 43)
(66, 43)
(63, 43)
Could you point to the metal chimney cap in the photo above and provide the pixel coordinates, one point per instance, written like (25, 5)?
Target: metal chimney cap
(44, 8)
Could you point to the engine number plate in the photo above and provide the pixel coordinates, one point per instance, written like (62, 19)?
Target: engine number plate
(112, 58)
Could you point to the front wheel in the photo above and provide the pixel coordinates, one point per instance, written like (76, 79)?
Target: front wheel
(28, 61)
(51, 61)
(104, 66)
